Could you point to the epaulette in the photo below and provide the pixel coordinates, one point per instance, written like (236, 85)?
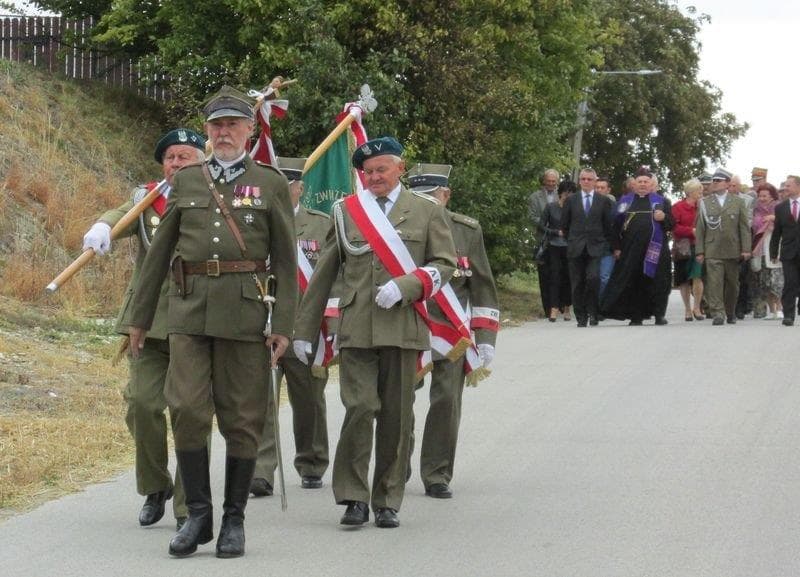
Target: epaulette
(265, 165)
(427, 197)
(463, 219)
(317, 212)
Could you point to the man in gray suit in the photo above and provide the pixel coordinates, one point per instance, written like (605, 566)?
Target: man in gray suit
(536, 203)
(723, 239)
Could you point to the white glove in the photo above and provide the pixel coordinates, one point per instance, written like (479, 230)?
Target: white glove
(301, 350)
(486, 353)
(388, 295)
(98, 238)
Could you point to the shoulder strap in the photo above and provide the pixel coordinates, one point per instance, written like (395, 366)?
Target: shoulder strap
(225, 212)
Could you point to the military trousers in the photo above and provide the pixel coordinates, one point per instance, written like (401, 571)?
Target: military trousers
(722, 286)
(377, 389)
(147, 422)
(208, 376)
(309, 424)
(440, 437)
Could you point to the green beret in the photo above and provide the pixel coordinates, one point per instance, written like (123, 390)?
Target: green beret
(376, 147)
(178, 136)
(229, 102)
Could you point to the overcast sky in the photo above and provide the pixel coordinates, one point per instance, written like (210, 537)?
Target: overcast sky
(750, 52)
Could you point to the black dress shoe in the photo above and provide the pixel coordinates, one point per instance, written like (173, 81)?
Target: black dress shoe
(593, 321)
(179, 521)
(153, 508)
(788, 322)
(386, 519)
(260, 488)
(731, 320)
(739, 316)
(661, 321)
(582, 323)
(310, 482)
(439, 491)
(357, 513)
(718, 321)
(635, 323)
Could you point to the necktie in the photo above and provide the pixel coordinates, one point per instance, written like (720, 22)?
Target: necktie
(794, 210)
(587, 203)
(382, 200)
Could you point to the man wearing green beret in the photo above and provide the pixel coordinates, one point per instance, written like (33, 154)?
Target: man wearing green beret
(305, 384)
(474, 287)
(145, 391)
(228, 227)
(393, 249)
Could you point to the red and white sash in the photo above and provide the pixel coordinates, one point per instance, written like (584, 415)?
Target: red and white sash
(450, 341)
(263, 150)
(325, 352)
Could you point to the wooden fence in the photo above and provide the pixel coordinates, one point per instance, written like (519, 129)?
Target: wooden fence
(59, 45)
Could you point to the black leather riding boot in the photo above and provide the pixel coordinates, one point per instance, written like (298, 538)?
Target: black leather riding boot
(238, 474)
(199, 526)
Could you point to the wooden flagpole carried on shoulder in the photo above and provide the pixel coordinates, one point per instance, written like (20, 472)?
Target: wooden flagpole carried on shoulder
(123, 223)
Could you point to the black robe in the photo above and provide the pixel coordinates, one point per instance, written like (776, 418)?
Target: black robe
(630, 293)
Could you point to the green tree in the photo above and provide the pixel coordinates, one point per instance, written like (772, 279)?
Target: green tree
(672, 121)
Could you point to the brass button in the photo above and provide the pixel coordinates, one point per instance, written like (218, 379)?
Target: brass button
(215, 239)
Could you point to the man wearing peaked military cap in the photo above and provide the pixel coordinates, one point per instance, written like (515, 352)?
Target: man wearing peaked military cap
(229, 103)
(380, 333)
(305, 384)
(722, 240)
(227, 218)
(144, 393)
(474, 287)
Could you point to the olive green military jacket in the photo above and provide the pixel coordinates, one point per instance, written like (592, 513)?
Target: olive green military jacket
(143, 228)
(227, 306)
(722, 232)
(420, 223)
(472, 282)
(312, 228)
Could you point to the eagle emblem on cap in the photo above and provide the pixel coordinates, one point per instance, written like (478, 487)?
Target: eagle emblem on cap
(182, 136)
(366, 149)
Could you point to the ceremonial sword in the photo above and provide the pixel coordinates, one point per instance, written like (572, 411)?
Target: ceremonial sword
(269, 301)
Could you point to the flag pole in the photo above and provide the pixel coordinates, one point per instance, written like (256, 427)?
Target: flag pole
(121, 225)
(329, 140)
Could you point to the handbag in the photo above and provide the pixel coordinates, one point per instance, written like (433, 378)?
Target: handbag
(681, 249)
(541, 252)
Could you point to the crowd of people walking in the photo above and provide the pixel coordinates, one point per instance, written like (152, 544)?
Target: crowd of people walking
(731, 250)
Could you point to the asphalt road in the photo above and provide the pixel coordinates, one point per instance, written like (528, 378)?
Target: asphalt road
(607, 451)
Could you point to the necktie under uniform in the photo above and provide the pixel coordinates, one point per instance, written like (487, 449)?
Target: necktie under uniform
(382, 200)
(794, 210)
(587, 203)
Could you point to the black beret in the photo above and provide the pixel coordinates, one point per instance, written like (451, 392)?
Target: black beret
(178, 136)
(376, 147)
(229, 102)
(644, 170)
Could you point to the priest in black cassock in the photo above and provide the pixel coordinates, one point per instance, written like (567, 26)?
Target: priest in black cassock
(640, 284)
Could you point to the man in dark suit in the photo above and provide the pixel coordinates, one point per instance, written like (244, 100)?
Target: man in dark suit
(786, 236)
(587, 223)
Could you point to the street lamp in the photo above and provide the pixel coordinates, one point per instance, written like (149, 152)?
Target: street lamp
(583, 109)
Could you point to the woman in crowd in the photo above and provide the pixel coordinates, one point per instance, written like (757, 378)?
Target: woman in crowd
(769, 274)
(688, 272)
(556, 254)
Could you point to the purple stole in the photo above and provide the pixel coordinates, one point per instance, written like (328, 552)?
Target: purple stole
(653, 254)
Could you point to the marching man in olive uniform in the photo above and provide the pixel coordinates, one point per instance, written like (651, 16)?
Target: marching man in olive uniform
(145, 391)
(395, 250)
(723, 240)
(228, 225)
(305, 384)
(473, 284)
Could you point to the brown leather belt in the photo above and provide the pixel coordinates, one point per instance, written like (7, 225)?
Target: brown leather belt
(217, 267)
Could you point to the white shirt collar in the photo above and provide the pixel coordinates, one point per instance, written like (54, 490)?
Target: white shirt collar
(392, 196)
(228, 163)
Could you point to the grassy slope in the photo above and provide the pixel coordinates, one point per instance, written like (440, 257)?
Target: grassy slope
(68, 151)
